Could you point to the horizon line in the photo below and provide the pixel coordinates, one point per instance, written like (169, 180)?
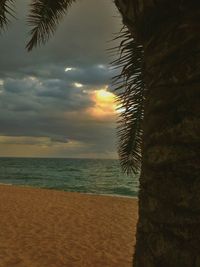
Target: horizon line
(34, 157)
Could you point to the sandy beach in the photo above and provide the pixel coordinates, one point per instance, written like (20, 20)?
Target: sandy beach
(47, 228)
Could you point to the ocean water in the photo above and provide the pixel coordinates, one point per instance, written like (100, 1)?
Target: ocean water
(73, 175)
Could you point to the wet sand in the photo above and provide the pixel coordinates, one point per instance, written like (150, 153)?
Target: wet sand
(48, 228)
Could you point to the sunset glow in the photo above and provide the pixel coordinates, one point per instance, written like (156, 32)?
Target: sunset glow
(104, 103)
(104, 96)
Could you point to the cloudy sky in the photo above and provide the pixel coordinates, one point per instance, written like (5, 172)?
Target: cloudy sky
(56, 101)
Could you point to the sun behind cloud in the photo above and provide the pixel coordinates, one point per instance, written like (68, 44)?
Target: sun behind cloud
(105, 105)
(104, 96)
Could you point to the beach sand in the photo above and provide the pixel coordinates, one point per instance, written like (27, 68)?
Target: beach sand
(48, 228)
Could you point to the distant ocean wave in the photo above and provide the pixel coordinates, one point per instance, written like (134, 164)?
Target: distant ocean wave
(93, 176)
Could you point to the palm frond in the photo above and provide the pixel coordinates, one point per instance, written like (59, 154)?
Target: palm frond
(130, 89)
(6, 10)
(44, 17)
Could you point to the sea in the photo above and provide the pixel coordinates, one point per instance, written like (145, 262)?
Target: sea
(93, 176)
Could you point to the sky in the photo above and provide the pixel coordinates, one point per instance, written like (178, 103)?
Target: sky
(57, 101)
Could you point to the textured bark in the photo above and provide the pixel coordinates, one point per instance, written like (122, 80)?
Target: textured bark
(168, 233)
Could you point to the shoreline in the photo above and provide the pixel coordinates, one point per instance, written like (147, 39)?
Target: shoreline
(48, 228)
(85, 193)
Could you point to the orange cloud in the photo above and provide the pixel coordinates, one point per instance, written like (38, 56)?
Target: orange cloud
(105, 105)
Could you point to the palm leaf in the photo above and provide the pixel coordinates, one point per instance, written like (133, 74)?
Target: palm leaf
(6, 10)
(44, 17)
(130, 89)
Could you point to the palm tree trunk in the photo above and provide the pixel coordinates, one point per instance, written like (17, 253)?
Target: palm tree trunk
(168, 232)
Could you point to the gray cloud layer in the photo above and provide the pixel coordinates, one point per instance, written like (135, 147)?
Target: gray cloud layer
(38, 98)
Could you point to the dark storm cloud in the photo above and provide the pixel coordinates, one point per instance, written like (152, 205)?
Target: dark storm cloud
(38, 98)
(32, 94)
(93, 75)
(80, 40)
